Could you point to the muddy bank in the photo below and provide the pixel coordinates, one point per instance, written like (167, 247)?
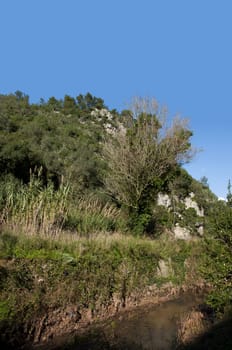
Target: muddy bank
(58, 327)
(153, 327)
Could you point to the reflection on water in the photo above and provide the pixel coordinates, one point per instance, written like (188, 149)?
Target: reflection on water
(148, 328)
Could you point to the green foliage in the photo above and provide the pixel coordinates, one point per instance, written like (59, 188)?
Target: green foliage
(37, 272)
(91, 215)
(139, 223)
(189, 218)
(163, 218)
(218, 256)
(229, 195)
(178, 252)
(57, 135)
(7, 245)
(74, 274)
(152, 222)
(204, 181)
(203, 196)
(4, 310)
(178, 183)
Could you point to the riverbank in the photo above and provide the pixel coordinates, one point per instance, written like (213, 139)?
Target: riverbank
(52, 287)
(183, 322)
(105, 321)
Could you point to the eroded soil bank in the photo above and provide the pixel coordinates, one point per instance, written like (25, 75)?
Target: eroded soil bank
(150, 315)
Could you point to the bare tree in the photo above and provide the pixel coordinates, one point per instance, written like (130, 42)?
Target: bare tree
(145, 153)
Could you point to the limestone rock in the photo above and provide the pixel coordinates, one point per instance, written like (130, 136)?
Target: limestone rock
(181, 232)
(165, 268)
(164, 199)
(190, 203)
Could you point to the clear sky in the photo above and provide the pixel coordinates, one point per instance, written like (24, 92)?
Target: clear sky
(178, 51)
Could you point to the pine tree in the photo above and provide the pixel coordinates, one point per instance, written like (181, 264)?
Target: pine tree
(229, 195)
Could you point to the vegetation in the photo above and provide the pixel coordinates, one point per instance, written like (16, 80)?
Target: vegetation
(79, 219)
(40, 275)
(119, 158)
(217, 267)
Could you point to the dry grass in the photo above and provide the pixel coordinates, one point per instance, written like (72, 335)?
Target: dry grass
(191, 326)
(92, 206)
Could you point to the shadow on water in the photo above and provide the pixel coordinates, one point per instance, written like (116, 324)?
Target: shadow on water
(97, 340)
(219, 337)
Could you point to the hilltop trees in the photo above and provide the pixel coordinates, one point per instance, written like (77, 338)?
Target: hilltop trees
(204, 182)
(229, 195)
(59, 135)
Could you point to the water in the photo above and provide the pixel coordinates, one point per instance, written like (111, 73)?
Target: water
(155, 328)
(147, 328)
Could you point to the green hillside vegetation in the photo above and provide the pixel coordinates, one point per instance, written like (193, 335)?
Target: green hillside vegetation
(79, 220)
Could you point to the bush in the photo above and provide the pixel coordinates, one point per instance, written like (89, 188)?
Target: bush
(217, 260)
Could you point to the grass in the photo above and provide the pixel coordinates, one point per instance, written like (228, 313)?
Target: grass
(79, 269)
(91, 215)
(216, 337)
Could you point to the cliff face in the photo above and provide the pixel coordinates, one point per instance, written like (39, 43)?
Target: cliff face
(188, 215)
(191, 203)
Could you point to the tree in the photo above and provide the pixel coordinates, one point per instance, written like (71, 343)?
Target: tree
(69, 106)
(229, 195)
(217, 262)
(140, 158)
(204, 181)
(53, 104)
(89, 102)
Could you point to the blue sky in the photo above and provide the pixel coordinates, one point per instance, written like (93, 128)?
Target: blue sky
(178, 51)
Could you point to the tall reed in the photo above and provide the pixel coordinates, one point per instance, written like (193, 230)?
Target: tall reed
(33, 208)
(90, 216)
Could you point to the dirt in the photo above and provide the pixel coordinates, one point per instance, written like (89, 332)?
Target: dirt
(58, 325)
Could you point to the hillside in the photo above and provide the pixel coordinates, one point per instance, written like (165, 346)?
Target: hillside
(97, 214)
